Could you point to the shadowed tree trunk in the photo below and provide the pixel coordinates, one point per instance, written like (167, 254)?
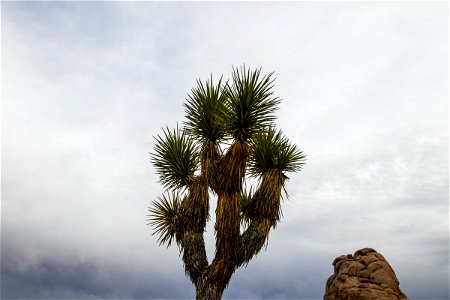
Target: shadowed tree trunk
(191, 163)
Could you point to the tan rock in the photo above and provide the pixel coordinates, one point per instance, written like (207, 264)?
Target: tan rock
(366, 275)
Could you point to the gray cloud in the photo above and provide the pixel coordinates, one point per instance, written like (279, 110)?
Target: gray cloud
(86, 85)
(71, 279)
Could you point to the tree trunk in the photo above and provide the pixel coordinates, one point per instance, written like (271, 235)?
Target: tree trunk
(205, 290)
(212, 283)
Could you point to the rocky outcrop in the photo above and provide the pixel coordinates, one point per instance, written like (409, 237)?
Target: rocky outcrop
(366, 275)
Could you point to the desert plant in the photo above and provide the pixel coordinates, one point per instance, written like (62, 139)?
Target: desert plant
(229, 133)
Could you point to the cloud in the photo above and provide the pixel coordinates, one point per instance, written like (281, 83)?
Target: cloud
(51, 278)
(86, 85)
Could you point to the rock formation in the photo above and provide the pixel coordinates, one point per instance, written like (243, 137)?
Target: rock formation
(366, 275)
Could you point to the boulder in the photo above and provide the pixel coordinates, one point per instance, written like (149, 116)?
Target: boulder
(365, 275)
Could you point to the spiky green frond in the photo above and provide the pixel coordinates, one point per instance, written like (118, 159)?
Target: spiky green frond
(164, 216)
(271, 150)
(250, 105)
(175, 158)
(246, 198)
(202, 108)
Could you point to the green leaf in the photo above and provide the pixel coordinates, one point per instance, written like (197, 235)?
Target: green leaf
(246, 199)
(271, 150)
(175, 158)
(164, 216)
(250, 105)
(203, 107)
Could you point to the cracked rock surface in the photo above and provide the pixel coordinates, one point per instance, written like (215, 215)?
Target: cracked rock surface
(364, 275)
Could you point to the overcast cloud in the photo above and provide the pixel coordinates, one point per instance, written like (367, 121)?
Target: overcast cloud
(86, 86)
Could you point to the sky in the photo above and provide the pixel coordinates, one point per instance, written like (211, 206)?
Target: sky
(87, 85)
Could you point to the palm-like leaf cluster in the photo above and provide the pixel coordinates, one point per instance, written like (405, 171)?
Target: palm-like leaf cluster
(164, 215)
(239, 109)
(271, 150)
(175, 158)
(250, 105)
(203, 108)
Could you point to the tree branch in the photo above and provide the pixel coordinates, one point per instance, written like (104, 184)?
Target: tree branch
(264, 213)
(253, 239)
(194, 254)
(195, 213)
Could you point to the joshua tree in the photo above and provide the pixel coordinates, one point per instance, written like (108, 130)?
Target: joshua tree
(229, 130)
